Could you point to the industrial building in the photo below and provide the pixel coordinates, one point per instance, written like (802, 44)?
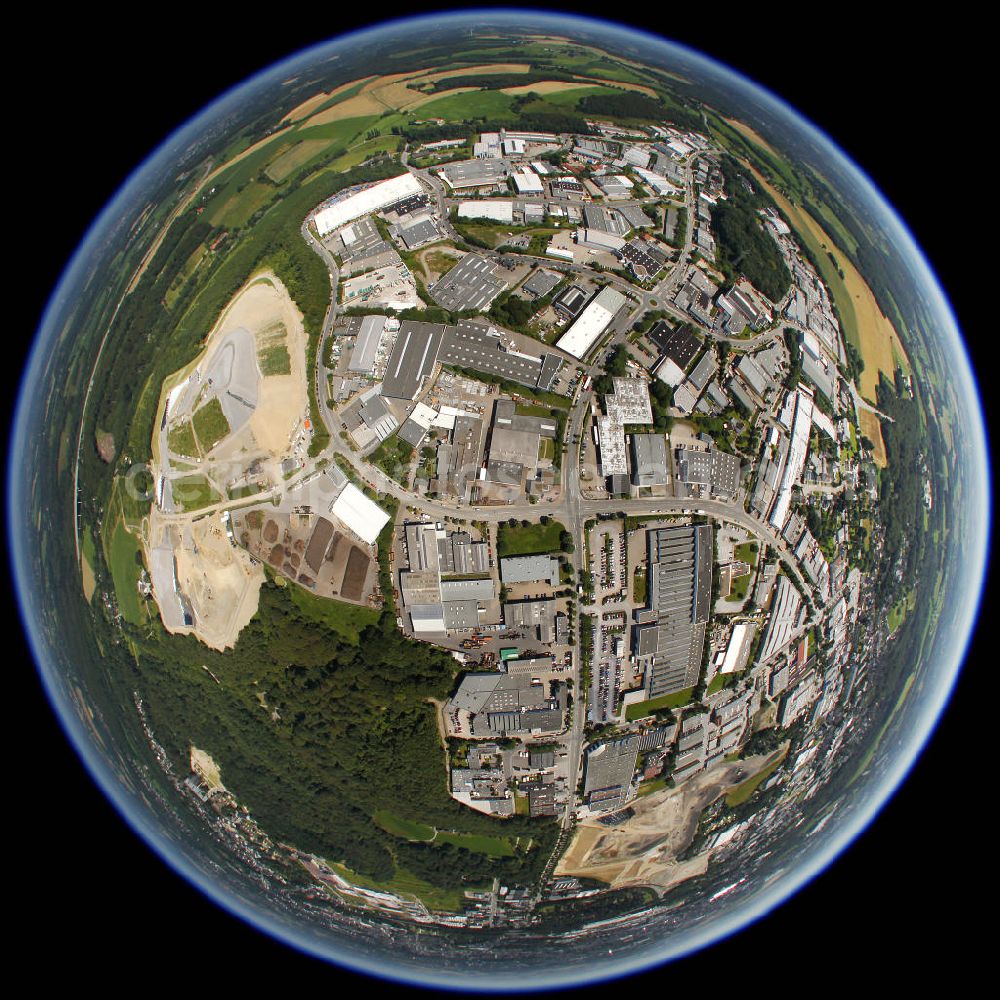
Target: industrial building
(361, 515)
(527, 181)
(706, 471)
(738, 649)
(473, 173)
(497, 211)
(670, 631)
(364, 202)
(537, 618)
(366, 345)
(609, 770)
(419, 347)
(530, 569)
(787, 616)
(540, 283)
(472, 284)
(680, 344)
(497, 704)
(649, 461)
(436, 600)
(592, 322)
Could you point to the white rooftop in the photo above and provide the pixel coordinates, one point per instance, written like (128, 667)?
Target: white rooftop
(361, 515)
(591, 323)
(371, 199)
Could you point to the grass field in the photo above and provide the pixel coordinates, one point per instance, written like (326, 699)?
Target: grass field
(406, 828)
(738, 587)
(347, 620)
(654, 785)
(675, 700)
(241, 492)
(899, 611)
(747, 552)
(194, 492)
(363, 150)
(719, 681)
(181, 440)
(210, 424)
(88, 560)
(471, 104)
(567, 99)
(240, 206)
(274, 360)
(287, 162)
(125, 561)
(495, 847)
(640, 585)
(535, 539)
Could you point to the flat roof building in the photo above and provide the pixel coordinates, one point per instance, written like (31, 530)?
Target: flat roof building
(473, 173)
(592, 322)
(649, 460)
(472, 284)
(412, 360)
(608, 774)
(361, 515)
(670, 638)
(371, 199)
(367, 344)
(498, 211)
(530, 569)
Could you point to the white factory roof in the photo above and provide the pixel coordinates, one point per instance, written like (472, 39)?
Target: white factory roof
(499, 211)
(670, 372)
(738, 648)
(365, 518)
(371, 199)
(611, 434)
(424, 416)
(591, 323)
(658, 183)
(798, 449)
(527, 181)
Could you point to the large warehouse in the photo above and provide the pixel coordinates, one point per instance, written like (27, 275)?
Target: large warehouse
(371, 199)
(364, 517)
(593, 321)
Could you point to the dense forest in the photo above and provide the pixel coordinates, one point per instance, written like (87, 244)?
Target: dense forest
(901, 493)
(743, 245)
(316, 729)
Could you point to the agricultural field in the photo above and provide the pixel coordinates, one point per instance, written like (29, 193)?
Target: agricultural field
(470, 104)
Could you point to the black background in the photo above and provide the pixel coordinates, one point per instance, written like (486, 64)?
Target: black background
(904, 101)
